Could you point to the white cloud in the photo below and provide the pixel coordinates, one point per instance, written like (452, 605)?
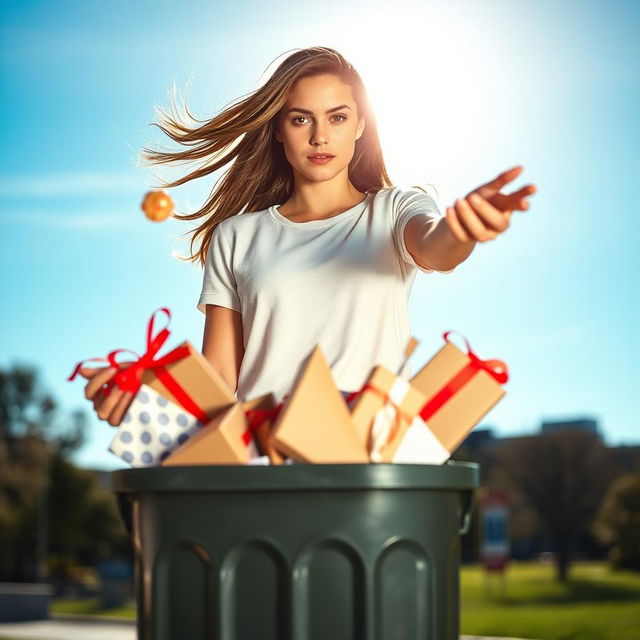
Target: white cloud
(80, 221)
(69, 184)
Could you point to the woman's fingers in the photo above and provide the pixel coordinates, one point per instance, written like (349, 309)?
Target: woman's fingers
(492, 218)
(473, 225)
(97, 380)
(108, 403)
(115, 418)
(456, 228)
(89, 372)
(493, 186)
(518, 198)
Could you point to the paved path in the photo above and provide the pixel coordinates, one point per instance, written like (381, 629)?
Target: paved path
(95, 630)
(69, 630)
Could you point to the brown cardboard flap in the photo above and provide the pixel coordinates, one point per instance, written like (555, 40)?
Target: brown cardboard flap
(314, 424)
(218, 442)
(199, 379)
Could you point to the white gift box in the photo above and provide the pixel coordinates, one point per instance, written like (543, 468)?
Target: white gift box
(151, 429)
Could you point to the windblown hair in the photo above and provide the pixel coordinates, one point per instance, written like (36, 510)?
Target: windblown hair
(244, 135)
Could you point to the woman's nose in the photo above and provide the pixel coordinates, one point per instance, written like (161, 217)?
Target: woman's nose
(319, 136)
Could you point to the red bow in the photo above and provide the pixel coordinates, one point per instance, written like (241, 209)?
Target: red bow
(130, 378)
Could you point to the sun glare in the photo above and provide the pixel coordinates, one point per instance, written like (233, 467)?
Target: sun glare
(426, 88)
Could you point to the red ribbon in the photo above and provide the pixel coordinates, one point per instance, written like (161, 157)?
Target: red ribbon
(497, 369)
(130, 378)
(256, 417)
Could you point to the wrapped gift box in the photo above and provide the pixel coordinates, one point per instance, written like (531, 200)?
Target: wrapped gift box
(151, 429)
(460, 390)
(192, 376)
(314, 424)
(383, 412)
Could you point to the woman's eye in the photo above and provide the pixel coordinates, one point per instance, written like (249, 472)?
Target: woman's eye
(337, 115)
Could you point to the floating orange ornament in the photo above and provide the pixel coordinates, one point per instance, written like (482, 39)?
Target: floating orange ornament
(157, 205)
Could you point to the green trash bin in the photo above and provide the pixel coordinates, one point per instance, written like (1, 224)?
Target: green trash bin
(297, 552)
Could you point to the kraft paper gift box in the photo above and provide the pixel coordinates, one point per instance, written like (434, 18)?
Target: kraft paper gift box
(384, 411)
(151, 429)
(183, 376)
(460, 389)
(314, 424)
(191, 379)
(262, 410)
(227, 439)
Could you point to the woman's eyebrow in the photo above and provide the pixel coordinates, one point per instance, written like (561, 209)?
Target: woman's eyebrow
(342, 106)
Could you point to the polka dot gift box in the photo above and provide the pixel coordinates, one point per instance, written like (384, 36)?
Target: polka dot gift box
(151, 429)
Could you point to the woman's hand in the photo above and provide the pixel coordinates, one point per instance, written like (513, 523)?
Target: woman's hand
(485, 212)
(112, 406)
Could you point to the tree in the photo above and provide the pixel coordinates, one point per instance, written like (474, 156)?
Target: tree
(45, 501)
(562, 476)
(27, 410)
(618, 521)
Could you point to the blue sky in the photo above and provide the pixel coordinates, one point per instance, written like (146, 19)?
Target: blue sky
(461, 91)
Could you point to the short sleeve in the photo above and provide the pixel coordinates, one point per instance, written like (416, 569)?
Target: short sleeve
(218, 282)
(408, 203)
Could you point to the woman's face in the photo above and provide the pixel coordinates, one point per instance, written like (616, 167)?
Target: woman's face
(320, 116)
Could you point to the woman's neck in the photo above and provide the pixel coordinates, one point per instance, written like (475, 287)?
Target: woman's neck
(301, 207)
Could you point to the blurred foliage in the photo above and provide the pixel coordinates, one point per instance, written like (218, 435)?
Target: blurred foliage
(53, 515)
(562, 477)
(618, 522)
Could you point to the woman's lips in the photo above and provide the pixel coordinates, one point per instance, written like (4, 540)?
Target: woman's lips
(322, 160)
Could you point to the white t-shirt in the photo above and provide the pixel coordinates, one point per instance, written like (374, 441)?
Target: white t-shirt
(342, 282)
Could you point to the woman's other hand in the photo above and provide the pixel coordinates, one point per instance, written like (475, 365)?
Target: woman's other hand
(109, 406)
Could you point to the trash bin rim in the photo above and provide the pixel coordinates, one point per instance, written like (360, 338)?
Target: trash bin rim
(298, 477)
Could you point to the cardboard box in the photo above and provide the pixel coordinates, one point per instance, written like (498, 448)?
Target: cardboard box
(314, 424)
(262, 435)
(384, 411)
(221, 441)
(151, 429)
(203, 384)
(459, 392)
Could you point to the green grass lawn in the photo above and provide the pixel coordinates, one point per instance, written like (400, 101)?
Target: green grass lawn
(90, 606)
(595, 604)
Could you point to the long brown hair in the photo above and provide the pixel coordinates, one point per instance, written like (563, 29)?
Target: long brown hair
(260, 174)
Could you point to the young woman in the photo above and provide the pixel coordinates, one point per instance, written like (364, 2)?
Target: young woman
(306, 241)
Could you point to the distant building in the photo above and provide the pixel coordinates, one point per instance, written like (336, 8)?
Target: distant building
(581, 424)
(482, 439)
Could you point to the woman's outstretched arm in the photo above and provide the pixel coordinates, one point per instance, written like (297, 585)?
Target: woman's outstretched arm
(223, 343)
(479, 217)
(435, 247)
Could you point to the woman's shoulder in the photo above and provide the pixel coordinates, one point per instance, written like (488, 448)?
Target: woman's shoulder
(398, 197)
(242, 222)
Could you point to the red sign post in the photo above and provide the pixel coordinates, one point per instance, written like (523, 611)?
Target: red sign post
(495, 550)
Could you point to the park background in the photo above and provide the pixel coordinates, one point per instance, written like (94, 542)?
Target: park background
(461, 92)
